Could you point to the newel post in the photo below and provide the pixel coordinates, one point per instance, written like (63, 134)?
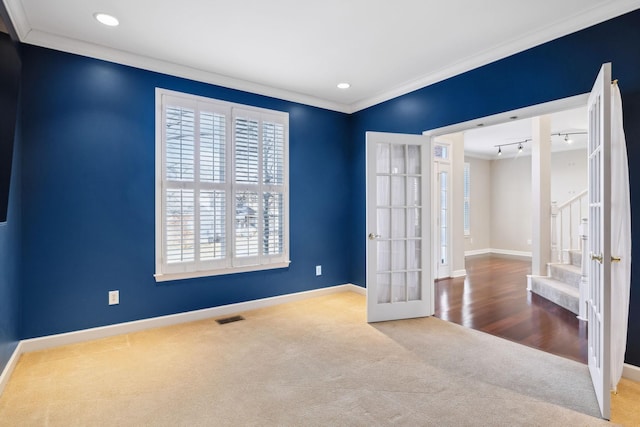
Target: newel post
(584, 279)
(555, 257)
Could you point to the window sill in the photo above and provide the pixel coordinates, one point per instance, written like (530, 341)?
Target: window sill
(219, 272)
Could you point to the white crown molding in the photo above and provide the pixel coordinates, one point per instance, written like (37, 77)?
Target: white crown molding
(18, 18)
(554, 30)
(51, 41)
(535, 38)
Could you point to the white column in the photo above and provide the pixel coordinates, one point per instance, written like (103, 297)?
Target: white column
(457, 205)
(541, 195)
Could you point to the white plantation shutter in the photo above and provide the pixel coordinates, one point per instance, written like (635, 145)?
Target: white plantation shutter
(221, 187)
(259, 159)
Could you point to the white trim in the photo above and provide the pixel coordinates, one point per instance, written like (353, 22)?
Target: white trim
(219, 272)
(78, 47)
(459, 273)
(42, 343)
(229, 263)
(356, 289)
(511, 253)
(50, 341)
(631, 372)
(498, 252)
(554, 30)
(10, 366)
(477, 252)
(522, 113)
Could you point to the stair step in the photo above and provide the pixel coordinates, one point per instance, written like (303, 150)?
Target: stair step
(567, 273)
(575, 257)
(557, 292)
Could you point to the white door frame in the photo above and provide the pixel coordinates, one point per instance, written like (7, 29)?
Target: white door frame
(439, 164)
(521, 113)
(602, 385)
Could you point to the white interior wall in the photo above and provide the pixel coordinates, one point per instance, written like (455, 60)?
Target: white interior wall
(500, 198)
(568, 174)
(511, 204)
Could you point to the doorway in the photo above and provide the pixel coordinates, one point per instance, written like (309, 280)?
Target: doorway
(479, 294)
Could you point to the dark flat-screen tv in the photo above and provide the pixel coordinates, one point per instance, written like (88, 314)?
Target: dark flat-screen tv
(9, 90)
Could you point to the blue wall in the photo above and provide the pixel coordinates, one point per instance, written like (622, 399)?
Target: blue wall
(88, 177)
(558, 69)
(88, 199)
(10, 247)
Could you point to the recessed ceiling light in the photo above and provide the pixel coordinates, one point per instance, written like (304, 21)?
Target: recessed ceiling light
(108, 20)
(344, 85)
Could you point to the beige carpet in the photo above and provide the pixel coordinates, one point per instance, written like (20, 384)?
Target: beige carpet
(311, 363)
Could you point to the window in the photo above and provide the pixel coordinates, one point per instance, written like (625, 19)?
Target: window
(221, 187)
(466, 211)
(441, 151)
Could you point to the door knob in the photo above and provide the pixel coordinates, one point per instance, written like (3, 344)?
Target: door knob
(373, 236)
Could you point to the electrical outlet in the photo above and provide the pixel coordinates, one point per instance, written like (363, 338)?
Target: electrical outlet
(318, 270)
(528, 241)
(114, 297)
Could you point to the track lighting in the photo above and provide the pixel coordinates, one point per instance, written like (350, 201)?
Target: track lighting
(519, 143)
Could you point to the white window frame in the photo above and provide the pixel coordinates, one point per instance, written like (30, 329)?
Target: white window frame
(230, 263)
(467, 199)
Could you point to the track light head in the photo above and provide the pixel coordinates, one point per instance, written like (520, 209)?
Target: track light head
(499, 151)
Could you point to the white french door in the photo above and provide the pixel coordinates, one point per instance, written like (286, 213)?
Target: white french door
(399, 276)
(599, 302)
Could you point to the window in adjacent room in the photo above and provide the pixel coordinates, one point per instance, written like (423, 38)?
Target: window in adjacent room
(466, 211)
(222, 190)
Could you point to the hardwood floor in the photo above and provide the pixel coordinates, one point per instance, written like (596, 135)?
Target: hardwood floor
(493, 298)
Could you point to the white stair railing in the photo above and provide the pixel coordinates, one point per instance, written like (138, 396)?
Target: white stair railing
(565, 219)
(584, 265)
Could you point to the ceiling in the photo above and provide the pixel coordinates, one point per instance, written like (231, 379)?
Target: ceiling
(481, 142)
(300, 50)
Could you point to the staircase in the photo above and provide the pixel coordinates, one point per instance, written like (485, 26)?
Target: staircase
(562, 285)
(566, 282)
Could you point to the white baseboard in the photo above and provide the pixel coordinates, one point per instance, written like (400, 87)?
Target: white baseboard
(10, 366)
(459, 273)
(357, 289)
(511, 253)
(631, 372)
(42, 343)
(34, 344)
(498, 252)
(477, 252)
